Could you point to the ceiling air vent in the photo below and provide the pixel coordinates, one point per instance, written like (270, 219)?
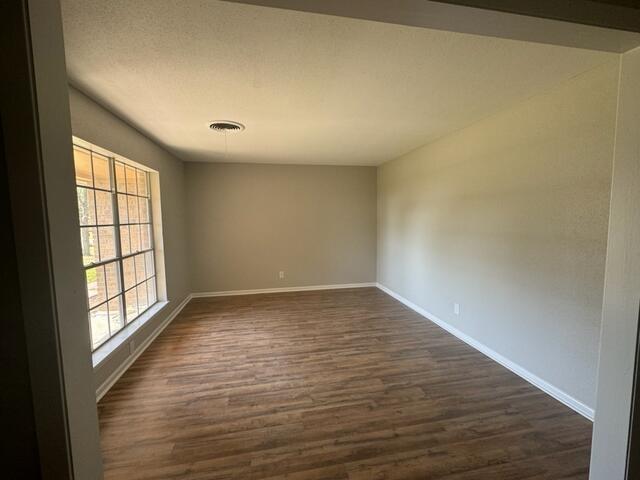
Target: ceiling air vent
(226, 126)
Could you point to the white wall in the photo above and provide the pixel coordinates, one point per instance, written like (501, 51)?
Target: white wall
(93, 123)
(622, 286)
(508, 218)
(248, 222)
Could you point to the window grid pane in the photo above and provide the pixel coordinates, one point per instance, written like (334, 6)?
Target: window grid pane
(101, 171)
(112, 272)
(116, 317)
(86, 206)
(121, 184)
(89, 240)
(134, 237)
(132, 182)
(99, 323)
(152, 291)
(96, 286)
(117, 242)
(123, 209)
(104, 208)
(84, 170)
(107, 243)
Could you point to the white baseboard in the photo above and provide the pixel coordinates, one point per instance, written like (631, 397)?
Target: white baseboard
(113, 378)
(543, 385)
(229, 293)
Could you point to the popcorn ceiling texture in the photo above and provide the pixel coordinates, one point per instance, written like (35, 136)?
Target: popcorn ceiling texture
(310, 88)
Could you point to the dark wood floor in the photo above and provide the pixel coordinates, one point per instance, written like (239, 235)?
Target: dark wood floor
(343, 384)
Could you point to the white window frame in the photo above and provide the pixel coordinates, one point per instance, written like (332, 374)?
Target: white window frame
(131, 324)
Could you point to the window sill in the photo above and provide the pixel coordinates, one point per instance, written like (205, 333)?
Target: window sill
(104, 351)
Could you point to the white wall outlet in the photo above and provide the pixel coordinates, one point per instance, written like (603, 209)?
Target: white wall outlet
(456, 308)
(281, 275)
(132, 347)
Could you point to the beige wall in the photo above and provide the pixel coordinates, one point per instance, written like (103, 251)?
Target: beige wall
(508, 218)
(95, 124)
(247, 222)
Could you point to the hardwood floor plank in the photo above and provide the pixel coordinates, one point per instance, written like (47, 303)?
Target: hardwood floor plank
(343, 384)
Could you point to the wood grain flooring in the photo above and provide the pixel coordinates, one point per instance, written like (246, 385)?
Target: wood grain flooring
(342, 384)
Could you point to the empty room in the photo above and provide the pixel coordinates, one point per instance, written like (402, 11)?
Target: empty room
(315, 240)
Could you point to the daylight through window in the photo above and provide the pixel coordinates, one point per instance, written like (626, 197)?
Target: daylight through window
(114, 203)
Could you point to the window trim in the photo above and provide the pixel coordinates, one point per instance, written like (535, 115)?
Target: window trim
(156, 247)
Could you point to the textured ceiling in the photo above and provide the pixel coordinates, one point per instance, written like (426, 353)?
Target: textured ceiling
(310, 88)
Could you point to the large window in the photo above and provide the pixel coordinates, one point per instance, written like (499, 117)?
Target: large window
(114, 203)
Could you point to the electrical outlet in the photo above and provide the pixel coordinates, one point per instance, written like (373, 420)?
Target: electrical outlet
(456, 308)
(132, 347)
(281, 275)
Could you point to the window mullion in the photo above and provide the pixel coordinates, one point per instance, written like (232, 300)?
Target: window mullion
(95, 205)
(95, 212)
(150, 209)
(116, 221)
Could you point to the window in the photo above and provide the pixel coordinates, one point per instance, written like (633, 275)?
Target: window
(114, 204)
